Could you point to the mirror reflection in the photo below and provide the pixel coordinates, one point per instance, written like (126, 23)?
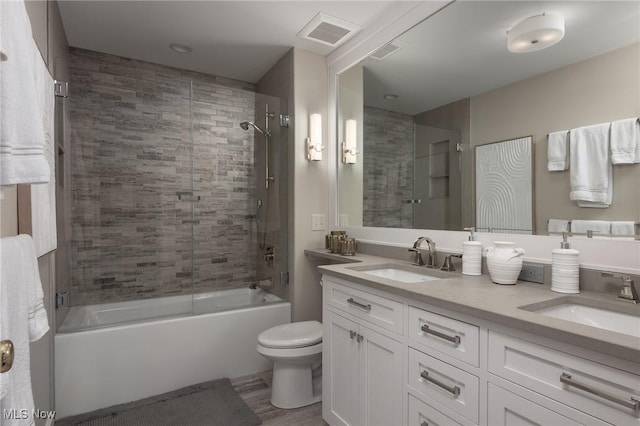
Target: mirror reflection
(419, 107)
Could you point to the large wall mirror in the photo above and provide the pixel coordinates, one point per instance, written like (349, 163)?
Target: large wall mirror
(412, 115)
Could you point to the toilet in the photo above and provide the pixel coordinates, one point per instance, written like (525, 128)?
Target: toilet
(296, 350)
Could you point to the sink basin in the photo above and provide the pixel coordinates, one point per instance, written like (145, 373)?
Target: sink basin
(405, 274)
(611, 319)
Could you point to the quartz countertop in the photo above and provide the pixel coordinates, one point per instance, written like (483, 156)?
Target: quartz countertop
(478, 296)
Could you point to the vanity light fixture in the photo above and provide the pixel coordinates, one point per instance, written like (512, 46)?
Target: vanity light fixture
(314, 141)
(349, 146)
(535, 33)
(180, 48)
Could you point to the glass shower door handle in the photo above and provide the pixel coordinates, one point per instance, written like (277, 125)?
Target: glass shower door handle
(187, 196)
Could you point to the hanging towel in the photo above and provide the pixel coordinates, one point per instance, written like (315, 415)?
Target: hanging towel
(23, 319)
(22, 139)
(557, 154)
(625, 141)
(623, 227)
(590, 168)
(601, 227)
(557, 225)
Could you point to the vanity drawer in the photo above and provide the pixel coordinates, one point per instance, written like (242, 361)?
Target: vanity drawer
(596, 389)
(447, 335)
(377, 310)
(421, 414)
(451, 387)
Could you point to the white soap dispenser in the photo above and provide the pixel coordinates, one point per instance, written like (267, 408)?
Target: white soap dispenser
(565, 268)
(471, 255)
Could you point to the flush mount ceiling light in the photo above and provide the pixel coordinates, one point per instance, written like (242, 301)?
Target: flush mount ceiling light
(180, 48)
(535, 33)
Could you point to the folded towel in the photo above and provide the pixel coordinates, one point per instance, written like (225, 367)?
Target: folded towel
(623, 227)
(23, 319)
(557, 155)
(557, 225)
(625, 141)
(22, 158)
(602, 227)
(590, 168)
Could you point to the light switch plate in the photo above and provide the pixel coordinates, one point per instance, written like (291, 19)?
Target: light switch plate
(318, 222)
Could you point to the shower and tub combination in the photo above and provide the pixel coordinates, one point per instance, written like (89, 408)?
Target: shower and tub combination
(173, 229)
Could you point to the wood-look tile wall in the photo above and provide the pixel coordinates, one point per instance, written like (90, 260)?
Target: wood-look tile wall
(133, 178)
(388, 168)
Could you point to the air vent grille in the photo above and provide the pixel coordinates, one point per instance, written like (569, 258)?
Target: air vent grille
(328, 30)
(388, 49)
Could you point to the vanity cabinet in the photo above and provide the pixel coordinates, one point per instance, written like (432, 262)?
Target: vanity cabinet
(362, 368)
(390, 360)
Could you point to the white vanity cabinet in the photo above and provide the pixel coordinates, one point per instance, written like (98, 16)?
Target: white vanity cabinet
(362, 367)
(390, 360)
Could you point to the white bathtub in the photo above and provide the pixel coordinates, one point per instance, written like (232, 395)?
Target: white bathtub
(98, 364)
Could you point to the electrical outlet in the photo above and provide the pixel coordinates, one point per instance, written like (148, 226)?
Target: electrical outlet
(532, 273)
(318, 222)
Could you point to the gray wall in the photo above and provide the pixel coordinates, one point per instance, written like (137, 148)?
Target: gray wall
(388, 168)
(132, 216)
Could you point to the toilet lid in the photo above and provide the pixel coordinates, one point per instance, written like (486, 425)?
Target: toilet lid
(294, 335)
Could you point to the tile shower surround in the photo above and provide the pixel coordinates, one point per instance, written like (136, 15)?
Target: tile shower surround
(388, 168)
(130, 158)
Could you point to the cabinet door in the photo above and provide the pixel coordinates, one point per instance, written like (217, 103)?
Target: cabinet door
(508, 409)
(340, 371)
(381, 375)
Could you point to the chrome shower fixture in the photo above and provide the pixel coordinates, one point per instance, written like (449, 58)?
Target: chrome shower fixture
(245, 125)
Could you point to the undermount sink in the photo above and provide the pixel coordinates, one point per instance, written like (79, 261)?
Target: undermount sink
(612, 318)
(405, 274)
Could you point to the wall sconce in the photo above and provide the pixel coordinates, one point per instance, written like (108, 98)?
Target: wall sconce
(314, 141)
(349, 146)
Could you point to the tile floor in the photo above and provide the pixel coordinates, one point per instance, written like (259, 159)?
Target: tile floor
(255, 390)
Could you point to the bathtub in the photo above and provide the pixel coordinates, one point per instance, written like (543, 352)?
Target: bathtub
(101, 361)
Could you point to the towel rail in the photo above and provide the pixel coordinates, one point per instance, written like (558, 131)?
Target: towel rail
(591, 233)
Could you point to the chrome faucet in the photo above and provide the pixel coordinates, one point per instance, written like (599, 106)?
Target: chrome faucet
(431, 259)
(629, 291)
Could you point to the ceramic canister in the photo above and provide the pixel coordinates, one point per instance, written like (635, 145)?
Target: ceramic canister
(504, 261)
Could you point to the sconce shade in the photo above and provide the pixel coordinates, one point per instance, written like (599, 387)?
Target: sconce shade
(350, 141)
(535, 33)
(314, 141)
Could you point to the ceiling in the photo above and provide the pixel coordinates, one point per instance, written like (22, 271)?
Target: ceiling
(461, 50)
(235, 39)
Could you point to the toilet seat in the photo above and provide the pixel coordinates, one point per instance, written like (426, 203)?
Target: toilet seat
(294, 335)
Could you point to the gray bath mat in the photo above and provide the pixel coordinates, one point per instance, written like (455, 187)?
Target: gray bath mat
(206, 404)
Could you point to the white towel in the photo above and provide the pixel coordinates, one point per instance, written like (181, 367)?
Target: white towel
(599, 227)
(623, 227)
(23, 319)
(625, 141)
(22, 158)
(557, 155)
(557, 225)
(590, 168)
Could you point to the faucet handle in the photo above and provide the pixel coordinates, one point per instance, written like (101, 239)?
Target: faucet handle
(628, 290)
(447, 265)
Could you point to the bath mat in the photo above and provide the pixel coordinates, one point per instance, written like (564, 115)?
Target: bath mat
(212, 403)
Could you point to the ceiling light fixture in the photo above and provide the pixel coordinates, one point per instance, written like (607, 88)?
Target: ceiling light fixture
(535, 33)
(390, 96)
(180, 48)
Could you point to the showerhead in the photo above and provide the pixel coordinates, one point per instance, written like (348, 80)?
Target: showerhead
(245, 125)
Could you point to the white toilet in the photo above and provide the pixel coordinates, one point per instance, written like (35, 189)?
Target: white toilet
(296, 350)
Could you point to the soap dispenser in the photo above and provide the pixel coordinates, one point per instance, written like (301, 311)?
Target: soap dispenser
(471, 255)
(565, 268)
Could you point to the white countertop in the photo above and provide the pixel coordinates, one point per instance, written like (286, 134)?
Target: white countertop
(478, 296)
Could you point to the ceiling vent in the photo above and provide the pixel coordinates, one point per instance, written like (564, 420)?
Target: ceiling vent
(388, 49)
(328, 30)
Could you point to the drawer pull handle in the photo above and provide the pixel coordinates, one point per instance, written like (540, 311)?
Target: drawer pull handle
(453, 339)
(633, 403)
(359, 305)
(454, 390)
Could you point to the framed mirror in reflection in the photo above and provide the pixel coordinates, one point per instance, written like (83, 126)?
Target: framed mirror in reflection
(424, 102)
